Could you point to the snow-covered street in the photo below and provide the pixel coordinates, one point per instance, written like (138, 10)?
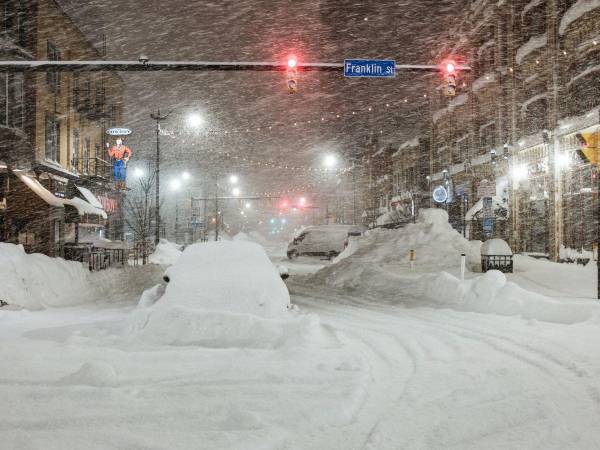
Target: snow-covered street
(382, 374)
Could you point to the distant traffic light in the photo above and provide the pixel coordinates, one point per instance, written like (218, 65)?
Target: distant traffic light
(588, 147)
(292, 74)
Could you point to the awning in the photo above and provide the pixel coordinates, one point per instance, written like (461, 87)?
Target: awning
(109, 245)
(91, 198)
(82, 206)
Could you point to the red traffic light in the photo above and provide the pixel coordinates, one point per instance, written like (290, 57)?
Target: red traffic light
(292, 62)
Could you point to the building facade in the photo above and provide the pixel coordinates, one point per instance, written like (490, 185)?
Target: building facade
(53, 129)
(515, 120)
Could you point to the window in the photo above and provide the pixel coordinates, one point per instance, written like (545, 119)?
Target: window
(17, 101)
(4, 99)
(99, 95)
(76, 89)
(53, 77)
(52, 151)
(87, 87)
(535, 116)
(86, 155)
(487, 134)
(76, 145)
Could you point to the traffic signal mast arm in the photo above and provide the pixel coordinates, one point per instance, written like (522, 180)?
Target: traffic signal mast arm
(143, 65)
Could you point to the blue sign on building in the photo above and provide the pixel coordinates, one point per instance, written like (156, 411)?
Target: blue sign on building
(371, 68)
(488, 225)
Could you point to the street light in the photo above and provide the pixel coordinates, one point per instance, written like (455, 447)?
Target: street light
(186, 176)
(330, 161)
(175, 184)
(233, 179)
(195, 120)
(236, 192)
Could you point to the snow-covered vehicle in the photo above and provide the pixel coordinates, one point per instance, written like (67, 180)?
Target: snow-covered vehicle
(235, 277)
(322, 240)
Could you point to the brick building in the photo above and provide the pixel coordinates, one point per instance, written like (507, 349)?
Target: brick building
(515, 119)
(53, 132)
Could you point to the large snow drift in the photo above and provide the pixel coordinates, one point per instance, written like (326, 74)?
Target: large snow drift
(222, 294)
(166, 253)
(36, 281)
(492, 293)
(376, 267)
(437, 246)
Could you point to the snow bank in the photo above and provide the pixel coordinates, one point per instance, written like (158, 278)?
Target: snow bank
(182, 326)
(492, 293)
(166, 253)
(371, 262)
(222, 294)
(36, 281)
(497, 247)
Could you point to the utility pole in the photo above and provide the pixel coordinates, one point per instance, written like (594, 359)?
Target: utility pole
(158, 118)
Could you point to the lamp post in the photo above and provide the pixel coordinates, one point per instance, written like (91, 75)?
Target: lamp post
(194, 120)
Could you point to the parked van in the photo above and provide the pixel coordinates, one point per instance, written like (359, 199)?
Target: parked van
(322, 240)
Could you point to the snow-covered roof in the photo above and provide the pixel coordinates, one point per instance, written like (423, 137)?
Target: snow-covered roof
(531, 45)
(575, 12)
(497, 247)
(40, 190)
(84, 207)
(81, 205)
(108, 244)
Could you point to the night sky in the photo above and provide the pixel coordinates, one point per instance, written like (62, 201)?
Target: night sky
(324, 31)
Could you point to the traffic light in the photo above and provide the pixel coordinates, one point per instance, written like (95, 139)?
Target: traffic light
(588, 147)
(450, 76)
(292, 74)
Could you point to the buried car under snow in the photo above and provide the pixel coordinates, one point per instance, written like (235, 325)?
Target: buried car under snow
(227, 276)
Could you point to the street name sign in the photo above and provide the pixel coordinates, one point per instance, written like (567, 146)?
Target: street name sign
(369, 68)
(488, 225)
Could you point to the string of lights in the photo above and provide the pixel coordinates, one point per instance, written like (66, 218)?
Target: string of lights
(326, 118)
(273, 165)
(302, 189)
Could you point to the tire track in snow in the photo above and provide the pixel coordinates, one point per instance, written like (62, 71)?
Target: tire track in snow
(553, 369)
